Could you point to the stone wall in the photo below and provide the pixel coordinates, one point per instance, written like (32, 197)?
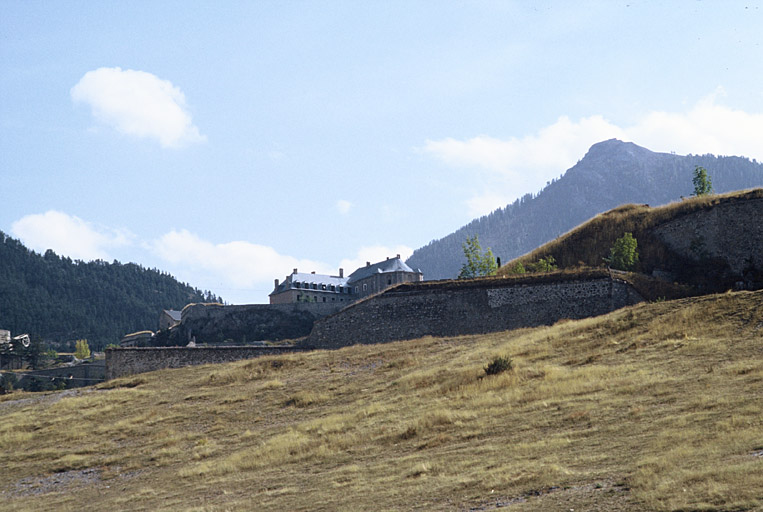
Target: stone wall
(82, 374)
(129, 361)
(449, 308)
(215, 323)
(730, 231)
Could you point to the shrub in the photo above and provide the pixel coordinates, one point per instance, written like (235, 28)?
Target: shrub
(546, 264)
(623, 255)
(82, 350)
(498, 365)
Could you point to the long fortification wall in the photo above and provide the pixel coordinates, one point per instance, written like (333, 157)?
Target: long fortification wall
(128, 361)
(450, 309)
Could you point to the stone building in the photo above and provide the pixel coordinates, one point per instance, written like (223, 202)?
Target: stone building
(312, 287)
(169, 318)
(380, 276)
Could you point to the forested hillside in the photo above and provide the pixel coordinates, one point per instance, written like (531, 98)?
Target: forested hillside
(59, 300)
(611, 173)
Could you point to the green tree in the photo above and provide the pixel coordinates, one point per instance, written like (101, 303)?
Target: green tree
(478, 263)
(82, 350)
(702, 183)
(624, 254)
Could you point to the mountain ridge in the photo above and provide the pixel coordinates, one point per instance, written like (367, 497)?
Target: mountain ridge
(611, 173)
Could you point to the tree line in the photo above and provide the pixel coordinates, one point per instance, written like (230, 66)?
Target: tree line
(58, 300)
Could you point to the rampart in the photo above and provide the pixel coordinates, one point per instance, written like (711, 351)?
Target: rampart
(215, 323)
(731, 231)
(128, 361)
(450, 308)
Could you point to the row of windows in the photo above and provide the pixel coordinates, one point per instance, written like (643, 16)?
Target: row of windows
(315, 298)
(315, 286)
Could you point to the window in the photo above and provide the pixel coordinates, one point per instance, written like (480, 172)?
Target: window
(324, 299)
(389, 282)
(296, 285)
(365, 286)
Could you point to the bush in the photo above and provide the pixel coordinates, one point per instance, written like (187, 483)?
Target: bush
(82, 350)
(547, 264)
(498, 365)
(624, 254)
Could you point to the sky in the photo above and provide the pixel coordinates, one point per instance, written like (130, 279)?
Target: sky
(228, 143)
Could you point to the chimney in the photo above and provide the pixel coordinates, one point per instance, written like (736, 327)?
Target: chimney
(313, 272)
(387, 258)
(398, 256)
(368, 263)
(295, 271)
(276, 283)
(341, 272)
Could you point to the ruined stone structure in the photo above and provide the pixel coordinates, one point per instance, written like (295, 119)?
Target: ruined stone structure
(451, 308)
(129, 361)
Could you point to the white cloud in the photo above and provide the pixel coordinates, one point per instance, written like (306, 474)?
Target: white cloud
(343, 206)
(138, 103)
(238, 264)
(243, 270)
(68, 235)
(374, 254)
(515, 166)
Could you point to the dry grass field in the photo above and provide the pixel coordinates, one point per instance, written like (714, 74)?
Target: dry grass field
(654, 407)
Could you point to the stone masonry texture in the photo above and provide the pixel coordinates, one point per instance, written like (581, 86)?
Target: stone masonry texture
(129, 361)
(450, 310)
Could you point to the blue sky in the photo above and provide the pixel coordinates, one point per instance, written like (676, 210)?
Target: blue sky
(230, 142)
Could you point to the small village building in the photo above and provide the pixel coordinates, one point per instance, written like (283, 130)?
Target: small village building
(168, 318)
(372, 278)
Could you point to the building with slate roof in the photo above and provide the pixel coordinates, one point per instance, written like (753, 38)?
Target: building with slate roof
(169, 318)
(312, 287)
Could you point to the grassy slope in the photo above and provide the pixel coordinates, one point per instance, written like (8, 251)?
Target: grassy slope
(657, 406)
(587, 244)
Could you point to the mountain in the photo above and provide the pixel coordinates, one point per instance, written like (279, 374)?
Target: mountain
(611, 173)
(59, 300)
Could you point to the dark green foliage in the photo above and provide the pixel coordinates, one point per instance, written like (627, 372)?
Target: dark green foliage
(59, 300)
(478, 263)
(624, 254)
(547, 264)
(702, 183)
(498, 365)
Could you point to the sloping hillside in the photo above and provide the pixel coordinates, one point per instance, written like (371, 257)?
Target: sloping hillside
(612, 173)
(60, 300)
(712, 242)
(654, 407)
